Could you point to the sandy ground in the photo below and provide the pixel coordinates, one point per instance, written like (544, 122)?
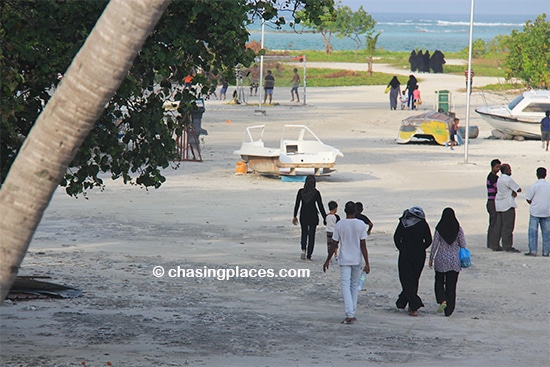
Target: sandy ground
(205, 216)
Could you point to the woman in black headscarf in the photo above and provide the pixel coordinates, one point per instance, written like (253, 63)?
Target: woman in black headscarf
(412, 237)
(444, 258)
(395, 92)
(310, 199)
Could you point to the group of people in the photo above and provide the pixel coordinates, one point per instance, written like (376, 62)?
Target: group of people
(423, 62)
(501, 205)
(346, 238)
(409, 97)
(269, 84)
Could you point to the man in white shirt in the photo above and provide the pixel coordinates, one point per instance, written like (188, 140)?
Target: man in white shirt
(538, 197)
(351, 233)
(505, 205)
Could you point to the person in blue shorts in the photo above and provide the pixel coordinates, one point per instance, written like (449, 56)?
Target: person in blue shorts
(269, 85)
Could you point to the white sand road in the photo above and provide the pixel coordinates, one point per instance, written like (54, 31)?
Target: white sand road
(205, 216)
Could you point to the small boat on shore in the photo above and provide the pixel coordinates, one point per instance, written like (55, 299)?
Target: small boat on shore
(521, 117)
(301, 152)
(429, 126)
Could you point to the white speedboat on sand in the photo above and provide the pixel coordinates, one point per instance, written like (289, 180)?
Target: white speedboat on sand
(521, 117)
(301, 152)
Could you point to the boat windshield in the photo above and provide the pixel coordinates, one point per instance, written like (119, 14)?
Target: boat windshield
(515, 102)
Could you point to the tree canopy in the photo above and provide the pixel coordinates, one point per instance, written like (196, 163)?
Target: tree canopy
(353, 24)
(342, 22)
(529, 53)
(133, 139)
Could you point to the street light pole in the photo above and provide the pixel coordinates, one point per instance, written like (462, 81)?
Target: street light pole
(261, 64)
(469, 84)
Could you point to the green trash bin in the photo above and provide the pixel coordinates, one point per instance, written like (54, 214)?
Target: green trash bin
(442, 101)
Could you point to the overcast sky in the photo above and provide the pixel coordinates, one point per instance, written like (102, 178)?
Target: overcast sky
(527, 7)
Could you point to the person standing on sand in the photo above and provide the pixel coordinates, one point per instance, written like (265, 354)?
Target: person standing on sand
(308, 199)
(493, 232)
(538, 197)
(412, 237)
(269, 85)
(445, 260)
(545, 130)
(254, 79)
(351, 234)
(453, 132)
(505, 205)
(295, 86)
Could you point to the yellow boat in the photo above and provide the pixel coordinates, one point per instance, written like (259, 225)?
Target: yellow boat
(429, 126)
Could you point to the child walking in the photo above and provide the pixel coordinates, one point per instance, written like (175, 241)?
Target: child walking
(332, 219)
(404, 99)
(417, 99)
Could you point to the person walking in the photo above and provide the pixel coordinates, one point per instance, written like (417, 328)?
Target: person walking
(269, 85)
(308, 199)
(295, 86)
(417, 99)
(331, 220)
(545, 130)
(359, 215)
(411, 86)
(505, 205)
(538, 197)
(395, 91)
(493, 231)
(351, 234)
(412, 237)
(445, 260)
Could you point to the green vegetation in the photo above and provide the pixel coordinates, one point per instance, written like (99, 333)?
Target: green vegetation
(529, 53)
(489, 64)
(341, 22)
(325, 77)
(39, 39)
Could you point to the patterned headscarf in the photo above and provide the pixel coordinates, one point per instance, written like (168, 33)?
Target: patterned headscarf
(412, 216)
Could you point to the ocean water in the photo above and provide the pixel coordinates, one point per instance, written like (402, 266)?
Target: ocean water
(401, 32)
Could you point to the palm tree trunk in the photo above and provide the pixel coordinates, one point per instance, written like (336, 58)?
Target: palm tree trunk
(91, 80)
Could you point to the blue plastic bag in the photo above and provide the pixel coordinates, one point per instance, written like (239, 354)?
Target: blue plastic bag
(465, 259)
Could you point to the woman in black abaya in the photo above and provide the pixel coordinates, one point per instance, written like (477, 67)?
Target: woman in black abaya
(412, 237)
(395, 92)
(310, 199)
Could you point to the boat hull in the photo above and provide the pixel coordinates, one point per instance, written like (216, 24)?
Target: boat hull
(512, 126)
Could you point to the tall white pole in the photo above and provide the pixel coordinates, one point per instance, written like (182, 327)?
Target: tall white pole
(305, 81)
(261, 65)
(469, 84)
